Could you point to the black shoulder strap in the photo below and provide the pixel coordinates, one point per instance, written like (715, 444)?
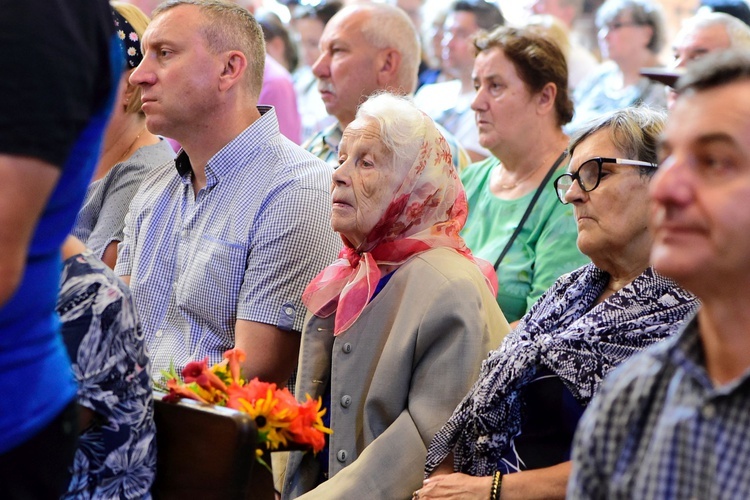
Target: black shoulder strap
(530, 207)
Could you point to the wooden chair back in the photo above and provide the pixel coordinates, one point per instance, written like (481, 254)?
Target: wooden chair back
(207, 453)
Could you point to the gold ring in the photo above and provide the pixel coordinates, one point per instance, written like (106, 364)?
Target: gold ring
(415, 495)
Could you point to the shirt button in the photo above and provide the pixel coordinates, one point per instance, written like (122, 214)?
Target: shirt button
(289, 311)
(346, 401)
(709, 411)
(159, 333)
(347, 348)
(341, 456)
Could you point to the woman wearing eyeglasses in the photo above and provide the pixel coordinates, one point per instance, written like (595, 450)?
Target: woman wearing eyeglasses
(512, 434)
(631, 35)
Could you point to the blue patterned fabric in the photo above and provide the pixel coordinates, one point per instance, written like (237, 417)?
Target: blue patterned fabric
(660, 428)
(572, 336)
(116, 455)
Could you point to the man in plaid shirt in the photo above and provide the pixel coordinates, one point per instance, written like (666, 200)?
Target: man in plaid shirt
(673, 422)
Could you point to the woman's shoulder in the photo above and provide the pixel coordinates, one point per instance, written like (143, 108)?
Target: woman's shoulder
(440, 265)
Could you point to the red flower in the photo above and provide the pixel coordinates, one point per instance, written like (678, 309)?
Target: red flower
(198, 372)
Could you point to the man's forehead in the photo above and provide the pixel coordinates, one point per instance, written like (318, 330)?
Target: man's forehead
(710, 37)
(722, 110)
(346, 28)
(180, 19)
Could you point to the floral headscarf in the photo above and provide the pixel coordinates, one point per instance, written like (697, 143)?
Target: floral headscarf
(131, 43)
(427, 211)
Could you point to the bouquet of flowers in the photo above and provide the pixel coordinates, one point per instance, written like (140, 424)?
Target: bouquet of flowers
(280, 419)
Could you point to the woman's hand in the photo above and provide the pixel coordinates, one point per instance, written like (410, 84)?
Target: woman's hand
(456, 485)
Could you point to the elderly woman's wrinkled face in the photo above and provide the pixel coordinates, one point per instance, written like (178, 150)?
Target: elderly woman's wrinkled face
(365, 182)
(613, 218)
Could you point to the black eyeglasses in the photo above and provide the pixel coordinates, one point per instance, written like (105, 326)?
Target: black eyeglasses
(589, 174)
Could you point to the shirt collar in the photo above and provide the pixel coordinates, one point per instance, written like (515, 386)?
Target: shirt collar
(332, 137)
(244, 145)
(686, 352)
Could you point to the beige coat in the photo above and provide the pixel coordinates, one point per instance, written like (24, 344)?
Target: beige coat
(396, 376)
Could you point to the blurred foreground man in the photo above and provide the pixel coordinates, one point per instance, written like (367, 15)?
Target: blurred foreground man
(673, 421)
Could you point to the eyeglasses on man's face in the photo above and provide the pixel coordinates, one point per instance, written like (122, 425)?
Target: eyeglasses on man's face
(589, 174)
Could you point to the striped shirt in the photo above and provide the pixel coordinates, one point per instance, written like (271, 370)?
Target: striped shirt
(244, 247)
(325, 145)
(659, 428)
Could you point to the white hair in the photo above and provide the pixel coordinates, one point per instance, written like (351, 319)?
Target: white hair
(402, 125)
(388, 26)
(737, 31)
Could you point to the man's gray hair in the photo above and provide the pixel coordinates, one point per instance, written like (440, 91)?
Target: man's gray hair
(388, 27)
(402, 124)
(723, 68)
(229, 27)
(737, 31)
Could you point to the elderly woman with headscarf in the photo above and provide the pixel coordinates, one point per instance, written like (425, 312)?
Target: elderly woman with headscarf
(511, 436)
(402, 320)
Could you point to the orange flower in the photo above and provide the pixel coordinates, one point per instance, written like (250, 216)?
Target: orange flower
(178, 389)
(279, 417)
(235, 357)
(308, 427)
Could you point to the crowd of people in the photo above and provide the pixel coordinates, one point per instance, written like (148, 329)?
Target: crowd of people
(367, 213)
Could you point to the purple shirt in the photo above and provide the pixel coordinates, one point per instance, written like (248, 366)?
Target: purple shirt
(278, 91)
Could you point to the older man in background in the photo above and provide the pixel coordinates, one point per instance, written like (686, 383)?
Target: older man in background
(365, 49)
(703, 34)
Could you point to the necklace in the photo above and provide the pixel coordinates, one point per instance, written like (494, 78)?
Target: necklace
(507, 187)
(127, 151)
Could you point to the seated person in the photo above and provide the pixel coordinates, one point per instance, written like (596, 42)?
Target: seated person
(116, 455)
(673, 421)
(401, 322)
(514, 430)
(631, 35)
(220, 244)
(514, 219)
(129, 150)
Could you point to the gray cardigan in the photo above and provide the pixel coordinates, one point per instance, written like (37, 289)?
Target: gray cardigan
(396, 376)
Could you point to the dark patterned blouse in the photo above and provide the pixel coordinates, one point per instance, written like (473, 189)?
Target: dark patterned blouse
(116, 455)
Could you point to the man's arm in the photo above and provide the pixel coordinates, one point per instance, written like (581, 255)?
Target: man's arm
(26, 186)
(271, 352)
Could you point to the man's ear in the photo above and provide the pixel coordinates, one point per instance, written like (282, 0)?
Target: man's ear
(235, 65)
(388, 64)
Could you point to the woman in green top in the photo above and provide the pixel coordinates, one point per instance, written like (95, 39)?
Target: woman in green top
(521, 105)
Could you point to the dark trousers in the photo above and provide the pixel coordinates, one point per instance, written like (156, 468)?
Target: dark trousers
(39, 468)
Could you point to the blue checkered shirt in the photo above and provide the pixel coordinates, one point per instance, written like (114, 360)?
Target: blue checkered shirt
(244, 247)
(325, 145)
(659, 428)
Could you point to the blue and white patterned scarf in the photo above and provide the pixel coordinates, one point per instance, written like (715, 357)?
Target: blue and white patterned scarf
(569, 335)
